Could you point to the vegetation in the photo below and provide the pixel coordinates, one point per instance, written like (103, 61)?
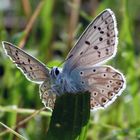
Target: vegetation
(47, 29)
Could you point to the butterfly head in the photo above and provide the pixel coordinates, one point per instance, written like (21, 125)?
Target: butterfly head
(55, 71)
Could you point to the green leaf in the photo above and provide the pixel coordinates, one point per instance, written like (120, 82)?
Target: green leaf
(70, 117)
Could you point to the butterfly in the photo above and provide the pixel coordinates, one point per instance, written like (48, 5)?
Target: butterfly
(83, 70)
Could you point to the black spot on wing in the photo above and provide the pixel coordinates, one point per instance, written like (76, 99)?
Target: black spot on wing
(87, 42)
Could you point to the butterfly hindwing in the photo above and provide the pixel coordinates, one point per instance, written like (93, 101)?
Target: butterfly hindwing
(103, 82)
(33, 69)
(47, 95)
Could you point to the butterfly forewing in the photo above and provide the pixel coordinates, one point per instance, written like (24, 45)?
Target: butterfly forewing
(103, 82)
(96, 45)
(33, 69)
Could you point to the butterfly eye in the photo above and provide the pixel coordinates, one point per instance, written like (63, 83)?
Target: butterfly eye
(56, 71)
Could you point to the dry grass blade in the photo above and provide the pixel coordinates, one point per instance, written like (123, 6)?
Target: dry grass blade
(22, 110)
(30, 24)
(26, 7)
(74, 15)
(12, 131)
(23, 121)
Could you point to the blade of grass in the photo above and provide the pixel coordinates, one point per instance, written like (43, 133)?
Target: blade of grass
(70, 117)
(12, 131)
(30, 24)
(33, 114)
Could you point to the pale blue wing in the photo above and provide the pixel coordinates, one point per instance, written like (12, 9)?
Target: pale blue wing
(96, 45)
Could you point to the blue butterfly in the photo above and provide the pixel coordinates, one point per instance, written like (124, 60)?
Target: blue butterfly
(82, 70)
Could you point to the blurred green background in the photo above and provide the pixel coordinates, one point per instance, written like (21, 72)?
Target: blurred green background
(47, 30)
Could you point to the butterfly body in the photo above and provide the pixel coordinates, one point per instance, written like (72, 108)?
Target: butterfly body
(57, 85)
(62, 83)
(82, 70)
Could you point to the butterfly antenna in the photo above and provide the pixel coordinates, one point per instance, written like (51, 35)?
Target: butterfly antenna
(49, 67)
(65, 60)
(61, 63)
